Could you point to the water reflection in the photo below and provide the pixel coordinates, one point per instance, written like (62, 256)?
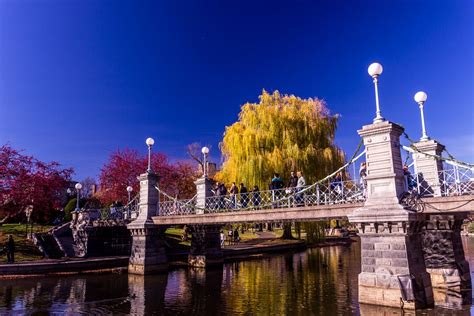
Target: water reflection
(314, 282)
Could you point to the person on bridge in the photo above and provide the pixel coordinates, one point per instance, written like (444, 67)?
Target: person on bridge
(363, 175)
(244, 197)
(275, 186)
(234, 191)
(256, 198)
(299, 187)
(410, 181)
(221, 192)
(10, 249)
(293, 181)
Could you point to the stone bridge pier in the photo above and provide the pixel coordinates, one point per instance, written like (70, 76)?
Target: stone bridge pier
(442, 244)
(393, 266)
(205, 241)
(148, 253)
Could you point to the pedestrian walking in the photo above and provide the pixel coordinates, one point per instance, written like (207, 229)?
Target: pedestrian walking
(222, 236)
(301, 183)
(256, 197)
(222, 193)
(234, 191)
(275, 186)
(244, 196)
(410, 181)
(230, 235)
(293, 181)
(236, 236)
(363, 175)
(10, 249)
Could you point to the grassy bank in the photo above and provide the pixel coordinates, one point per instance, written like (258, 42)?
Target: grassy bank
(25, 250)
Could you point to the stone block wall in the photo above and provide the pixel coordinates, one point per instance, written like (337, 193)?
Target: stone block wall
(148, 253)
(391, 256)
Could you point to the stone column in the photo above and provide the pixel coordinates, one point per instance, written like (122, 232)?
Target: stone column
(445, 260)
(390, 235)
(205, 246)
(427, 167)
(148, 253)
(203, 191)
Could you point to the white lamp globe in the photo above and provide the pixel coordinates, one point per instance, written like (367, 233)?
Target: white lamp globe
(205, 150)
(420, 97)
(129, 189)
(375, 69)
(78, 186)
(150, 141)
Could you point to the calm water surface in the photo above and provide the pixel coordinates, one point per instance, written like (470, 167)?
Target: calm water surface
(313, 282)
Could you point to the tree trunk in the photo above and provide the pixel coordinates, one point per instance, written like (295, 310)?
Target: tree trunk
(287, 231)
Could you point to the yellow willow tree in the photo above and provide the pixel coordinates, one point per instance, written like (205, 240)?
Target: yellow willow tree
(281, 133)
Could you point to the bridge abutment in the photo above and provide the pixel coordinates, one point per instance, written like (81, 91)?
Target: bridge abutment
(445, 260)
(393, 267)
(148, 253)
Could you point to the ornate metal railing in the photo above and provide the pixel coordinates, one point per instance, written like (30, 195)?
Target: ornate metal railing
(178, 207)
(452, 182)
(335, 192)
(128, 212)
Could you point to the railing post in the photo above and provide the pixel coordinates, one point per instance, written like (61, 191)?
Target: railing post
(317, 195)
(427, 167)
(203, 191)
(391, 239)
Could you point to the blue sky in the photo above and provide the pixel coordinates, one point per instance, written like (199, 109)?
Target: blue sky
(79, 79)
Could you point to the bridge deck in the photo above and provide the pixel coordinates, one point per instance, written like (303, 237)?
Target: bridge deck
(434, 205)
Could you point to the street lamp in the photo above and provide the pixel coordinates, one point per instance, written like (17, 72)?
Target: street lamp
(420, 98)
(204, 151)
(78, 187)
(375, 70)
(129, 191)
(149, 142)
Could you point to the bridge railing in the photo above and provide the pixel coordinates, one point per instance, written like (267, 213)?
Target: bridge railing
(128, 212)
(452, 182)
(178, 207)
(321, 194)
(335, 192)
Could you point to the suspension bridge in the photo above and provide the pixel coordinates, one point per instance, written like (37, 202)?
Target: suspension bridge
(408, 208)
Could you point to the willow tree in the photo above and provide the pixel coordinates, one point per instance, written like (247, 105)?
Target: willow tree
(281, 133)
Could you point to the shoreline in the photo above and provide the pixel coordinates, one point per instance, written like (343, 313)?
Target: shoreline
(119, 264)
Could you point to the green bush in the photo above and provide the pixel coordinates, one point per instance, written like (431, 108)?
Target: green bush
(470, 228)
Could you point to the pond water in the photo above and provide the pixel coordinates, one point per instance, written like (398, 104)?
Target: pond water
(320, 281)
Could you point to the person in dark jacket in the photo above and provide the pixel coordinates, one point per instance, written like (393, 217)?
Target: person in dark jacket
(234, 191)
(10, 249)
(244, 197)
(222, 194)
(276, 185)
(292, 183)
(256, 198)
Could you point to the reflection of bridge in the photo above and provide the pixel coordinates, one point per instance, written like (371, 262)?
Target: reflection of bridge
(409, 224)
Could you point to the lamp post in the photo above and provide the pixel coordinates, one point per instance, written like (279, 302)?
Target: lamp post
(129, 191)
(78, 187)
(420, 98)
(149, 142)
(375, 70)
(204, 151)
